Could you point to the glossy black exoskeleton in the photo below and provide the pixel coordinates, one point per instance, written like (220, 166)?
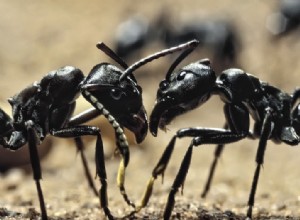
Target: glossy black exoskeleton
(275, 114)
(46, 108)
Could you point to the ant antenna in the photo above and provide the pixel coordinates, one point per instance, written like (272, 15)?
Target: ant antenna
(183, 55)
(191, 45)
(109, 52)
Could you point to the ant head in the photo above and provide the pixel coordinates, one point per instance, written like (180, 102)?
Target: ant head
(121, 99)
(182, 91)
(118, 92)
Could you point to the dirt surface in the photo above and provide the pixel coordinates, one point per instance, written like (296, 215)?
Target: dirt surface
(45, 35)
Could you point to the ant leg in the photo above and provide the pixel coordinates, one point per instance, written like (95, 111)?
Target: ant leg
(101, 171)
(179, 181)
(121, 138)
(217, 153)
(80, 119)
(36, 166)
(158, 170)
(237, 118)
(80, 148)
(122, 143)
(84, 117)
(99, 158)
(163, 162)
(230, 112)
(265, 133)
(205, 136)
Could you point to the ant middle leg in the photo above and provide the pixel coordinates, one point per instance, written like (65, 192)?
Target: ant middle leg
(217, 154)
(74, 121)
(265, 133)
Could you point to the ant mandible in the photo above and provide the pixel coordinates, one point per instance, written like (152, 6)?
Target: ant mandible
(275, 113)
(46, 108)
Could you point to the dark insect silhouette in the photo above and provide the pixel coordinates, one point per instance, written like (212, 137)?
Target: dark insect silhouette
(275, 114)
(46, 108)
(220, 37)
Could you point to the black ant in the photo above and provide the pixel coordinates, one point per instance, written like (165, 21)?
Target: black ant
(46, 107)
(219, 36)
(275, 113)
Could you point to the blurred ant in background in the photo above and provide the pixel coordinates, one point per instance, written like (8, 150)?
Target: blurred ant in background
(218, 36)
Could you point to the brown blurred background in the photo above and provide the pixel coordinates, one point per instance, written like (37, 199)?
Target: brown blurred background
(37, 37)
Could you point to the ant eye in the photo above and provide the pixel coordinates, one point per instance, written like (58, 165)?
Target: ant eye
(116, 94)
(181, 75)
(163, 85)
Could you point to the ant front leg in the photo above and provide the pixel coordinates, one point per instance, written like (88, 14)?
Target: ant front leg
(158, 170)
(80, 119)
(164, 160)
(163, 163)
(79, 131)
(122, 145)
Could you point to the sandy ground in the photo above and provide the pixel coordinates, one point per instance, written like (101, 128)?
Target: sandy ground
(42, 36)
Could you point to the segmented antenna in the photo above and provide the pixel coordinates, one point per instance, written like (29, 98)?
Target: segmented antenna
(189, 45)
